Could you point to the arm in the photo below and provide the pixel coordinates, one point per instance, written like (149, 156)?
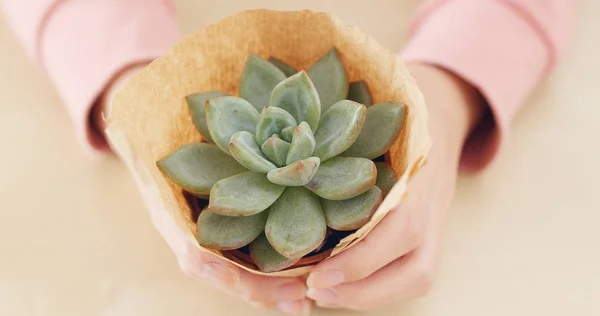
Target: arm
(475, 62)
(503, 48)
(85, 45)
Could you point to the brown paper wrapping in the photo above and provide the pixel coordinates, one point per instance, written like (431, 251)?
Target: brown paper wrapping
(149, 117)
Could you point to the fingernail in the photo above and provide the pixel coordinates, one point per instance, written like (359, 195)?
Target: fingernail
(325, 279)
(290, 291)
(299, 307)
(219, 273)
(323, 296)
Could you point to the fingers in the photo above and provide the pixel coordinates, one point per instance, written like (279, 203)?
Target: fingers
(286, 294)
(400, 232)
(208, 268)
(270, 292)
(406, 278)
(257, 288)
(395, 261)
(299, 307)
(222, 274)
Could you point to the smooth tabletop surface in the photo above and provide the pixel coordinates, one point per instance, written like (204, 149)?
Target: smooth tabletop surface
(522, 237)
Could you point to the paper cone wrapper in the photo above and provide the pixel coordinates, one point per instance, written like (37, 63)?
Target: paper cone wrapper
(149, 117)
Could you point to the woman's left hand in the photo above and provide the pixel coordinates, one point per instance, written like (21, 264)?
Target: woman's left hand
(399, 258)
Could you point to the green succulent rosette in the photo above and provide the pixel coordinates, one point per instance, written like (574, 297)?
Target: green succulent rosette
(285, 144)
(288, 158)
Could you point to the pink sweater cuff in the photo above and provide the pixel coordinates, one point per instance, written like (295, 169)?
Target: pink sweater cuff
(493, 47)
(84, 44)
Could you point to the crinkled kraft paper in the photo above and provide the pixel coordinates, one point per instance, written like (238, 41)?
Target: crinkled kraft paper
(149, 117)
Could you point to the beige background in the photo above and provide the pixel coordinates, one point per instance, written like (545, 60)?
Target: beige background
(522, 238)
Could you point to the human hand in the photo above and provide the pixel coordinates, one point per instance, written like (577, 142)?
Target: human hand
(398, 259)
(283, 293)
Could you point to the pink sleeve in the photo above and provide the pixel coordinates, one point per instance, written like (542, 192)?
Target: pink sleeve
(83, 44)
(504, 48)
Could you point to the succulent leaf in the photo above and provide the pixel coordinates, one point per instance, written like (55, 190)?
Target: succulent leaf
(303, 144)
(339, 128)
(296, 224)
(358, 91)
(228, 115)
(285, 68)
(196, 104)
(382, 126)
(329, 77)
(245, 150)
(298, 96)
(298, 173)
(267, 258)
(276, 149)
(352, 213)
(196, 167)
(386, 177)
(228, 232)
(287, 134)
(271, 121)
(341, 178)
(244, 194)
(258, 80)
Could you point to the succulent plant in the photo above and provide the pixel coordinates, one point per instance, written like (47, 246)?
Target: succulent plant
(289, 157)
